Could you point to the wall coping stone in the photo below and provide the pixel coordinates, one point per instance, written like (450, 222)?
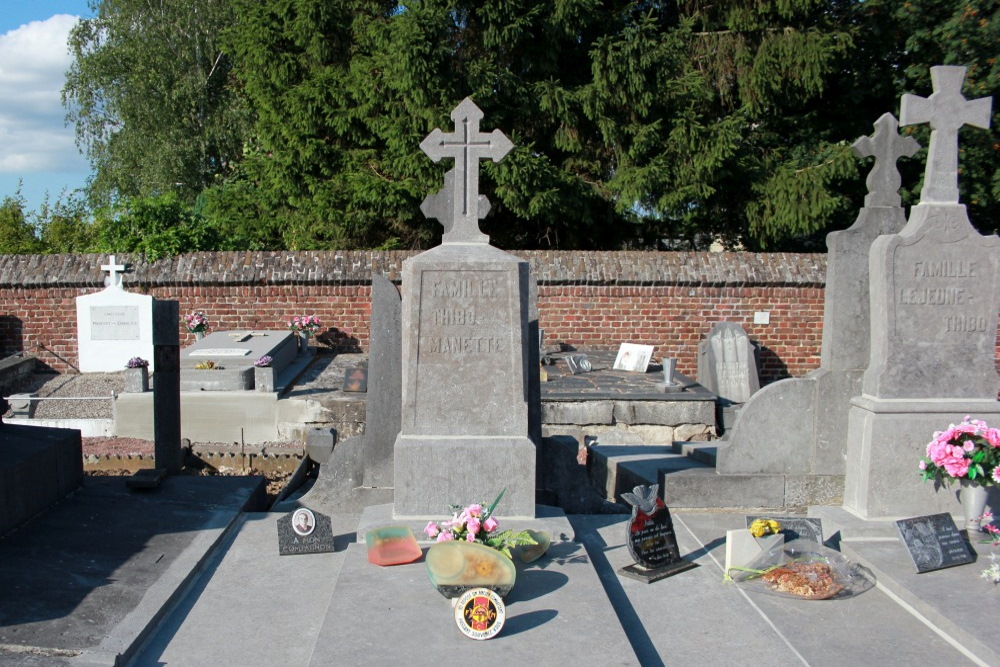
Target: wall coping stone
(355, 267)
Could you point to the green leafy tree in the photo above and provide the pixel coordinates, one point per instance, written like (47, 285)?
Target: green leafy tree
(64, 226)
(150, 94)
(17, 234)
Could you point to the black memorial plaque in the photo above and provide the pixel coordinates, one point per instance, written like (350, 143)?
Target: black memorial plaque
(934, 542)
(650, 539)
(794, 527)
(304, 532)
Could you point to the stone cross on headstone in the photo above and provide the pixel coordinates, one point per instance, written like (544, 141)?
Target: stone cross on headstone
(886, 146)
(946, 111)
(114, 278)
(459, 206)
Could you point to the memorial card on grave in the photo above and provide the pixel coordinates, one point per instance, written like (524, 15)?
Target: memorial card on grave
(304, 532)
(650, 538)
(933, 542)
(633, 358)
(356, 380)
(113, 325)
(794, 527)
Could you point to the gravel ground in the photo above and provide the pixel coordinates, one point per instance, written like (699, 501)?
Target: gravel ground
(89, 385)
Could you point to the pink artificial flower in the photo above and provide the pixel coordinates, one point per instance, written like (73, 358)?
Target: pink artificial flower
(923, 466)
(996, 474)
(431, 529)
(992, 436)
(470, 537)
(445, 536)
(475, 510)
(968, 445)
(490, 525)
(473, 525)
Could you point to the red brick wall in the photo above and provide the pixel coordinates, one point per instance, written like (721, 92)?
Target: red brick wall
(675, 319)
(588, 300)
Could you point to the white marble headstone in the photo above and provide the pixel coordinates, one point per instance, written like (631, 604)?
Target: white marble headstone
(113, 325)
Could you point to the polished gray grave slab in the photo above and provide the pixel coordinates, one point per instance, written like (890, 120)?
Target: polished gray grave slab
(386, 615)
(234, 354)
(252, 606)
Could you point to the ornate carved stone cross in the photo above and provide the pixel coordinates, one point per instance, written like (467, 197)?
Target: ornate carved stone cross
(946, 111)
(114, 278)
(886, 146)
(459, 206)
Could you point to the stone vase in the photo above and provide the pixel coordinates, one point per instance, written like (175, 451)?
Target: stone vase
(303, 338)
(198, 335)
(973, 497)
(137, 380)
(263, 378)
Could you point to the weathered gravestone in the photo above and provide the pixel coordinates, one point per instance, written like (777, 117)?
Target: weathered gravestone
(233, 354)
(727, 363)
(799, 425)
(113, 325)
(935, 293)
(358, 472)
(465, 423)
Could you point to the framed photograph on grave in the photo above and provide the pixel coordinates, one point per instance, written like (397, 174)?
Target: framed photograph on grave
(303, 522)
(633, 358)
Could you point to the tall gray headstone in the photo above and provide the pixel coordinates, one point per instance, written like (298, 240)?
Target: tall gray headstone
(727, 363)
(359, 472)
(464, 429)
(935, 294)
(799, 425)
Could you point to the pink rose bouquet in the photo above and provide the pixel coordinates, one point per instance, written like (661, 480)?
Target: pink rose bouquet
(970, 450)
(476, 523)
(307, 324)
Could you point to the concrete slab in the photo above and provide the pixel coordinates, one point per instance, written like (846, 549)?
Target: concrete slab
(92, 575)
(389, 615)
(281, 601)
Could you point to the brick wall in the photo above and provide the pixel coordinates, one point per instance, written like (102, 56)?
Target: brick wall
(588, 300)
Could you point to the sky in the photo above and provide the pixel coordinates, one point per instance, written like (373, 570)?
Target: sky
(36, 146)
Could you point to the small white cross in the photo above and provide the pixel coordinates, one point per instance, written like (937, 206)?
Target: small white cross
(114, 278)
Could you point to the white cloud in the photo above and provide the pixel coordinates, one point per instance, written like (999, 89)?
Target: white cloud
(33, 63)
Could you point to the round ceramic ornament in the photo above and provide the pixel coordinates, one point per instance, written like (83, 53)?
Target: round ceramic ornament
(480, 613)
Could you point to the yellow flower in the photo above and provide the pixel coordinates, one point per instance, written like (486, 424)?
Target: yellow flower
(762, 527)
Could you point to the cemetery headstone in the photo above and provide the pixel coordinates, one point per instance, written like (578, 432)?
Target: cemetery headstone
(935, 294)
(650, 538)
(727, 363)
(799, 425)
(358, 472)
(304, 531)
(113, 325)
(465, 364)
(933, 542)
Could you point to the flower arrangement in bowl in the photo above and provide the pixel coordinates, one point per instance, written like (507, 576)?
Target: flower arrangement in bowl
(476, 523)
(471, 552)
(967, 451)
(197, 322)
(136, 362)
(263, 362)
(307, 325)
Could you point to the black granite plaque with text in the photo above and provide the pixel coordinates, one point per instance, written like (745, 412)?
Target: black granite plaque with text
(650, 539)
(304, 532)
(933, 542)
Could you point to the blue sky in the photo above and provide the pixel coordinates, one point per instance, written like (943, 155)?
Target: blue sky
(35, 144)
